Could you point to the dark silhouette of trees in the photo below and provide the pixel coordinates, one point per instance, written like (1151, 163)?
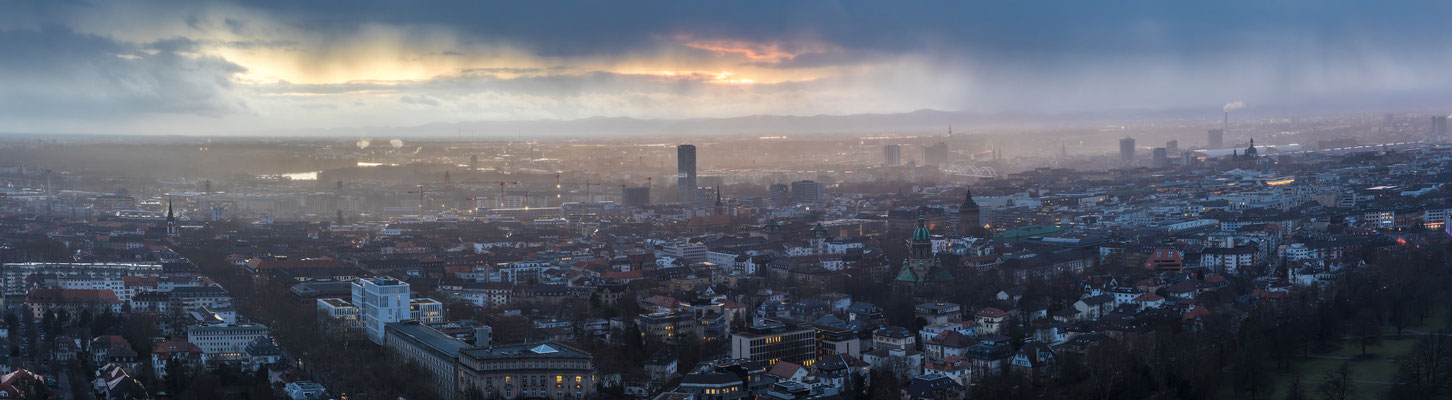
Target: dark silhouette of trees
(1338, 385)
(1426, 371)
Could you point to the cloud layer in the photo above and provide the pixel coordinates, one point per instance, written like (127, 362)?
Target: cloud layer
(218, 67)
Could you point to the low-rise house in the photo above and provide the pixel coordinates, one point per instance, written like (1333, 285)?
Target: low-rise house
(956, 368)
(990, 355)
(893, 337)
(1094, 307)
(932, 387)
(990, 320)
(177, 352)
(903, 363)
(1034, 360)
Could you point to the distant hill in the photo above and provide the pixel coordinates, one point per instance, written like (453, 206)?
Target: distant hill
(916, 121)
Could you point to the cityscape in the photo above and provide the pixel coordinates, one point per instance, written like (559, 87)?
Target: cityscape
(451, 201)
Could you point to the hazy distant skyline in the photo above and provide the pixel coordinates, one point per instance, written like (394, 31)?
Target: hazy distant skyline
(216, 67)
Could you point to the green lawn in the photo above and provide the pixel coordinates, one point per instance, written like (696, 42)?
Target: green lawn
(1378, 365)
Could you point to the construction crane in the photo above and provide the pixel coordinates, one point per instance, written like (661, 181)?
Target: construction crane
(501, 191)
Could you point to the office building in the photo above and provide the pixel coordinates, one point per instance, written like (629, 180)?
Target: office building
(470, 331)
(226, 342)
(380, 301)
(711, 386)
(426, 310)
(1439, 126)
(665, 327)
(1215, 139)
(538, 370)
(806, 192)
(705, 195)
(1172, 147)
(1161, 157)
(771, 342)
(892, 155)
(335, 313)
(433, 351)
(935, 154)
(115, 202)
(1126, 150)
(686, 173)
(781, 194)
(693, 252)
(635, 196)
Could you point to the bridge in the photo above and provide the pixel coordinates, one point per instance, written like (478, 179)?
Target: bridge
(970, 170)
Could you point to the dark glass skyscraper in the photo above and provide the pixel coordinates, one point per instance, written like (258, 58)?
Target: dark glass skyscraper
(1126, 150)
(686, 173)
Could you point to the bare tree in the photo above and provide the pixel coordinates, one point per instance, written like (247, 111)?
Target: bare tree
(1424, 372)
(1338, 385)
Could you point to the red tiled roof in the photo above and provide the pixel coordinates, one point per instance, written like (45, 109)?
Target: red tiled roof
(176, 346)
(991, 313)
(1148, 298)
(58, 296)
(785, 369)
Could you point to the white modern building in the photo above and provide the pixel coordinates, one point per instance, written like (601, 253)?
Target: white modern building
(426, 310)
(380, 301)
(337, 310)
(226, 342)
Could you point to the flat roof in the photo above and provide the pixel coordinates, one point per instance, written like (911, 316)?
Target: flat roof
(549, 349)
(429, 337)
(336, 302)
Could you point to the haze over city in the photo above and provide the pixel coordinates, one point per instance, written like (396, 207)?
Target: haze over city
(751, 200)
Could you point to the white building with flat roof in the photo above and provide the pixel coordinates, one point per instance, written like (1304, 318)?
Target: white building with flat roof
(426, 310)
(225, 342)
(381, 301)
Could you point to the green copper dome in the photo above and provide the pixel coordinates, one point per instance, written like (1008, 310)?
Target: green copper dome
(921, 234)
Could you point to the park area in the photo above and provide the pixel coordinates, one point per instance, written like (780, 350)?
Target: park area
(1371, 374)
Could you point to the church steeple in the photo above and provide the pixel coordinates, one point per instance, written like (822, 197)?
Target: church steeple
(720, 209)
(170, 219)
(969, 222)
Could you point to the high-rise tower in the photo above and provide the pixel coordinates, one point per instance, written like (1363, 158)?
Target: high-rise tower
(892, 155)
(686, 173)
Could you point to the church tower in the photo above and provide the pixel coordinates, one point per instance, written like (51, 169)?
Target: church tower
(969, 222)
(720, 209)
(170, 220)
(921, 272)
(819, 239)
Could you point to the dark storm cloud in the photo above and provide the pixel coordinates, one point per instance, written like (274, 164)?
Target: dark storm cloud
(1054, 29)
(56, 72)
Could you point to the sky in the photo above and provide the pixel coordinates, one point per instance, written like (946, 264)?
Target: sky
(244, 67)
